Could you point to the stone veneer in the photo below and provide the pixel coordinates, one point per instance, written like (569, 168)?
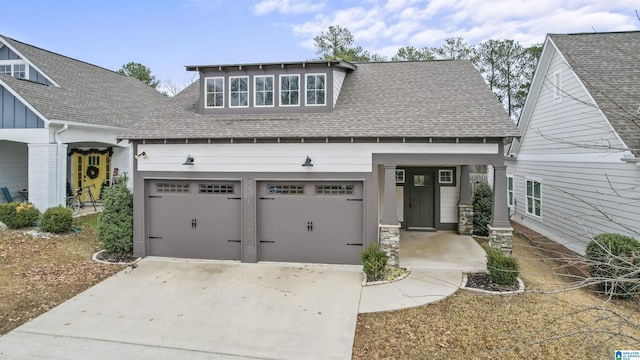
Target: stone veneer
(390, 243)
(465, 219)
(501, 239)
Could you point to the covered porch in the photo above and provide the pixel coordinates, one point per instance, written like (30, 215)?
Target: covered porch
(441, 250)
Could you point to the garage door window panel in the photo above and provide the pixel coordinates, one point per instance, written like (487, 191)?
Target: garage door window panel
(334, 189)
(217, 189)
(172, 188)
(285, 189)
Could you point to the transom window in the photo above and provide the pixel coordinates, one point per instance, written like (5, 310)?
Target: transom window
(15, 68)
(534, 197)
(5, 70)
(286, 189)
(172, 188)
(509, 190)
(316, 89)
(399, 176)
(334, 189)
(239, 91)
(214, 88)
(289, 90)
(216, 189)
(263, 87)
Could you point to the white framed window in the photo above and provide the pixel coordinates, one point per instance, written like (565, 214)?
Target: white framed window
(399, 176)
(238, 91)
(15, 68)
(534, 198)
(289, 90)
(510, 190)
(263, 88)
(445, 177)
(214, 92)
(557, 85)
(316, 89)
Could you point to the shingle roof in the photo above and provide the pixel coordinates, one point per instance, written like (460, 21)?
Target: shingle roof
(88, 93)
(391, 99)
(608, 64)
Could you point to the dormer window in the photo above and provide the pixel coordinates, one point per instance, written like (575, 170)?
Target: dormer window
(316, 89)
(15, 68)
(263, 86)
(289, 90)
(214, 88)
(238, 91)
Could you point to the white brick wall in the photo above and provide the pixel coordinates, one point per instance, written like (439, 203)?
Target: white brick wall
(47, 179)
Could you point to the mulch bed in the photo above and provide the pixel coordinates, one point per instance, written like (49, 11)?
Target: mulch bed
(116, 258)
(483, 282)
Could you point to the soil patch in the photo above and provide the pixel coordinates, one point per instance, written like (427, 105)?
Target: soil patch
(115, 258)
(483, 281)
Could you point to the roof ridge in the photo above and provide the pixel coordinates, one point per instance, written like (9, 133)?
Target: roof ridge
(64, 56)
(598, 32)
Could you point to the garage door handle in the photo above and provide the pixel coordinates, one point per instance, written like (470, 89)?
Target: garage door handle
(268, 241)
(155, 237)
(234, 241)
(354, 199)
(234, 198)
(265, 198)
(354, 244)
(154, 197)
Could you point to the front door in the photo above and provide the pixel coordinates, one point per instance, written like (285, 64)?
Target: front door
(90, 169)
(419, 200)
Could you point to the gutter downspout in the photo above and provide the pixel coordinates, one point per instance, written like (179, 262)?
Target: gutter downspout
(56, 138)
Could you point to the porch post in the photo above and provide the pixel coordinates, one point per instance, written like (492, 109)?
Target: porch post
(47, 175)
(389, 228)
(500, 230)
(465, 204)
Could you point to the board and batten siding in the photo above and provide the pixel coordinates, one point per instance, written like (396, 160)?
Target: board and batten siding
(14, 114)
(579, 199)
(13, 166)
(568, 124)
(331, 157)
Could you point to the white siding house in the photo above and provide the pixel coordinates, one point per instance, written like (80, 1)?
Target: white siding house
(575, 171)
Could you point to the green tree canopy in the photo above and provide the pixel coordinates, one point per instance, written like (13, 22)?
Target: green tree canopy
(410, 53)
(453, 49)
(140, 72)
(337, 43)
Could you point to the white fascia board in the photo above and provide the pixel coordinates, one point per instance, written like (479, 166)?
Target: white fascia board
(53, 82)
(25, 102)
(87, 125)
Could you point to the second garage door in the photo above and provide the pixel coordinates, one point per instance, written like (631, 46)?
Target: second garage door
(319, 222)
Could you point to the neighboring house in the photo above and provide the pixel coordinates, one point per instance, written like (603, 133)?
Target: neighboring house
(576, 171)
(312, 161)
(59, 118)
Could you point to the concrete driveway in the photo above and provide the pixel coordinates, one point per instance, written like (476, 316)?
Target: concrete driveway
(182, 309)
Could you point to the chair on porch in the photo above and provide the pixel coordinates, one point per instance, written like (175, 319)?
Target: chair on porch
(10, 199)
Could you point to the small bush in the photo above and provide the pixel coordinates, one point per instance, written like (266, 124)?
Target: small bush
(115, 222)
(56, 220)
(502, 269)
(614, 260)
(17, 215)
(482, 208)
(374, 262)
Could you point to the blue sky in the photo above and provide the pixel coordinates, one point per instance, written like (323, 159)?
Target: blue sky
(166, 35)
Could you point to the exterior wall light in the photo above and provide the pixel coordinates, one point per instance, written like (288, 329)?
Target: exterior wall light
(190, 160)
(142, 155)
(307, 162)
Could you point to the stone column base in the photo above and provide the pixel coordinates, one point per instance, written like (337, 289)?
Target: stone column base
(465, 219)
(390, 243)
(501, 239)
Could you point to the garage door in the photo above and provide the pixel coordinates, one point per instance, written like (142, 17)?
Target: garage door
(319, 222)
(193, 219)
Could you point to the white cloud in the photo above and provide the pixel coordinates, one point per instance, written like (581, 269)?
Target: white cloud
(287, 6)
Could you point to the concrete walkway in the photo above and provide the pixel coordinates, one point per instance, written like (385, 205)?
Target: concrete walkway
(437, 261)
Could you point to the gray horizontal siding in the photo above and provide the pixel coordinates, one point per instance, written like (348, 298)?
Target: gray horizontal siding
(579, 200)
(15, 115)
(571, 125)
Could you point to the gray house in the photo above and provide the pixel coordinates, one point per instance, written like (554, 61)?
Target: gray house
(59, 118)
(576, 171)
(312, 161)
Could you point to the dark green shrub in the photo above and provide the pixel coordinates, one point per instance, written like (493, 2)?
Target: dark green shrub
(105, 185)
(374, 262)
(482, 208)
(18, 215)
(614, 262)
(56, 220)
(115, 222)
(502, 269)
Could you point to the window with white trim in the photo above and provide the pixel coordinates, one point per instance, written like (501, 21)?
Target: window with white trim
(557, 85)
(214, 92)
(238, 91)
(15, 68)
(445, 176)
(399, 176)
(316, 89)
(510, 190)
(534, 197)
(289, 90)
(263, 88)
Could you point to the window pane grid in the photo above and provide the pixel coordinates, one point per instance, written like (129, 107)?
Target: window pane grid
(264, 90)
(534, 195)
(334, 189)
(287, 189)
(172, 188)
(290, 90)
(215, 92)
(217, 189)
(316, 89)
(239, 92)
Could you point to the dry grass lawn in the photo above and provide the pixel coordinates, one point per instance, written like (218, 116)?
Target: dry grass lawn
(40, 271)
(543, 323)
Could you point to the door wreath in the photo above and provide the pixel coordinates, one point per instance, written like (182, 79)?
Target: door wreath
(92, 172)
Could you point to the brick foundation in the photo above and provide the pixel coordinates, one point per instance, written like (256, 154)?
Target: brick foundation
(465, 219)
(501, 239)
